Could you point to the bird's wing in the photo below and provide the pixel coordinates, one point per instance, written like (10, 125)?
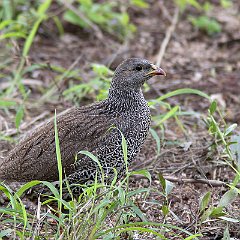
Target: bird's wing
(35, 156)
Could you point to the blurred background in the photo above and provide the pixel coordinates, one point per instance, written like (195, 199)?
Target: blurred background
(57, 54)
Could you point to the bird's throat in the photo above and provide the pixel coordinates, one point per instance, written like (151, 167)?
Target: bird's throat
(126, 99)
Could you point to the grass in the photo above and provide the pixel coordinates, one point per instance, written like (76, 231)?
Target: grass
(100, 211)
(108, 211)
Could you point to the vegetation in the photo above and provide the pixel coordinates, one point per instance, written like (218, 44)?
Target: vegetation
(102, 211)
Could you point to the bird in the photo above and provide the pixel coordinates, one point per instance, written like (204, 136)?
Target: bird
(97, 128)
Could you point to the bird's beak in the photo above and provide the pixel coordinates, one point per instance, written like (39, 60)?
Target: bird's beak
(156, 71)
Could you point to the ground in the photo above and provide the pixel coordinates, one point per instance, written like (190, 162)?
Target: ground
(192, 60)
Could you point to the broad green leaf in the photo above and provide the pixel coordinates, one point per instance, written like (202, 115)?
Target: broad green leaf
(213, 107)
(166, 185)
(205, 201)
(228, 198)
(169, 187)
(142, 172)
(217, 212)
(230, 129)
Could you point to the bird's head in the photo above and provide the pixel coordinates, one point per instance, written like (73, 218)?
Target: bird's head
(133, 73)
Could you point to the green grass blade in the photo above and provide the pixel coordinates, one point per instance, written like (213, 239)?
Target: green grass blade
(26, 186)
(59, 159)
(12, 35)
(19, 116)
(125, 151)
(41, 11)
(183, 91)
(142, 229)
(142, 172)
(7, 103)
(31, 36)
(156, 138)
(193, 236)
(167, 226)
(5, 23)
(169, 114)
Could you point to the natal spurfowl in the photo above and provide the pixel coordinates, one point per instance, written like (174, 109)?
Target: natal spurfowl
(96, 128)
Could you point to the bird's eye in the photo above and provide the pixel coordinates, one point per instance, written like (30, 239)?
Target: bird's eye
(139, 68)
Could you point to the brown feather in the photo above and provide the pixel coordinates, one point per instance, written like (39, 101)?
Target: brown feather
(35, 156)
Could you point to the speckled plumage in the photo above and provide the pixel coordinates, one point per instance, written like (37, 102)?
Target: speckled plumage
(96, 128)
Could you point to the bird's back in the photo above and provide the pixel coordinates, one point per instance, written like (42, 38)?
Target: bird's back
(35, 156)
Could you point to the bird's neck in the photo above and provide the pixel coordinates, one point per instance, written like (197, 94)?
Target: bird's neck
(126, 99)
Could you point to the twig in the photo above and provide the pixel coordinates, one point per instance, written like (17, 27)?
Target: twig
(94, 27)
(168, 35)
(212, 183)
(164, 11)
